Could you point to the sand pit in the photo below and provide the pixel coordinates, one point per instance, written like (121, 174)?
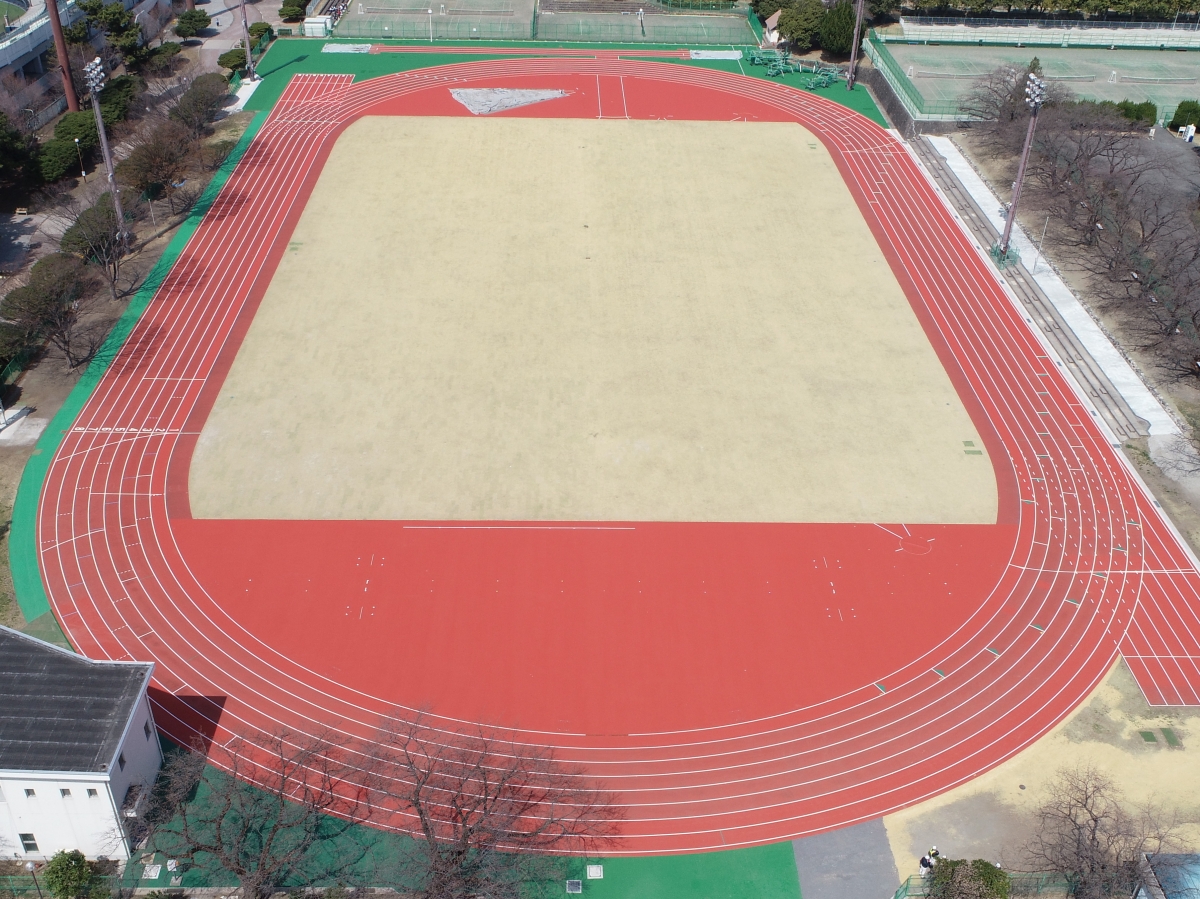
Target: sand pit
(525, 319)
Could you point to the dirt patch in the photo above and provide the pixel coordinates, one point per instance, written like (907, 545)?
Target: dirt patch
(578, 320)
(1114, 729)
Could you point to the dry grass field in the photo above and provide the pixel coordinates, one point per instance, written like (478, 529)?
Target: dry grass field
(549, 319)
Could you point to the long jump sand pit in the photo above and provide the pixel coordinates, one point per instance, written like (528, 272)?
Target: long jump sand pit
(567, 319)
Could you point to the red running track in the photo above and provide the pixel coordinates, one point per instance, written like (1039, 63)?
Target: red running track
(735, 684)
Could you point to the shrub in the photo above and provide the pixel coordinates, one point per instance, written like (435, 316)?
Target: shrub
(837, 29)
(958, 877)
(68, 874)
(80, 125)
(258, 29)
(200, 102)
(232, 60)
(1142, 113)
(117, 96)
(1186, 113)
(158, 60)
(767, 8)
(17, 153)
(801, 24)
(291, 13)
(58, 158)
(191, 22)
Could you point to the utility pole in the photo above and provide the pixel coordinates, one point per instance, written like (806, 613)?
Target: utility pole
(250, 76)
(94, 73)
(1035, 96)
(859, 11)
(60, 50)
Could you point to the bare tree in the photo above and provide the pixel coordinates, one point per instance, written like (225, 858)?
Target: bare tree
(161, 157)
(275, 812)
(493, 814)
(90, 230)
(1087, 832)
(59, 304)
(995, 104)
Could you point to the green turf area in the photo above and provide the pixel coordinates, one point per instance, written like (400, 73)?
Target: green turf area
(362, 855)
(291, 56)
(45, 627)
(11, 10)
(761, 872)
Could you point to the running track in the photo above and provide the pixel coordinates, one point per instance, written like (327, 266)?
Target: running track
(1082, 565)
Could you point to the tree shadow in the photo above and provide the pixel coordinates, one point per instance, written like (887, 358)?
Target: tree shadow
(16, 240)
(291, 62)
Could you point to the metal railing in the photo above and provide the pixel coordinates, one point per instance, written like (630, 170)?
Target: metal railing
(755, 24)
(1049, 885)
(906, 92)
(989, 22)
(23, 886)
(698, 4)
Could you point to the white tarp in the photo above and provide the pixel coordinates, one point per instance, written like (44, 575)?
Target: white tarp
(486, 100)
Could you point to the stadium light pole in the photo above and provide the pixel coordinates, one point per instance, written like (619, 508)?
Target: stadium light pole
(94, 73)
(250, 73)
(1035, 96)
(859, 11)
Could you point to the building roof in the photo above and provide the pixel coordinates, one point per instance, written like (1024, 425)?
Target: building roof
(1178, 874)
(60, 711)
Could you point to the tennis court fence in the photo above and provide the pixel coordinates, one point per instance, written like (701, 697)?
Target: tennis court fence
(503, 22)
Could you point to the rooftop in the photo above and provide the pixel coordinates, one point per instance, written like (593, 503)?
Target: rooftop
(60, 711)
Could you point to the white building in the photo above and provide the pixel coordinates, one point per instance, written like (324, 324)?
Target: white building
(78, 751)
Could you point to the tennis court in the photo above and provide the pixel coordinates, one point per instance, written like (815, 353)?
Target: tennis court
(942, 74)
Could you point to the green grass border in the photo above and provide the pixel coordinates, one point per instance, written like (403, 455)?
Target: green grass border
(23, 552)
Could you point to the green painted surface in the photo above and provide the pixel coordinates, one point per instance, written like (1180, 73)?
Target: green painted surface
(290, 56)
(760, 872)
(1148, 736)
(1169, 736)
(363, 855)
(45, 627)
(23, 556)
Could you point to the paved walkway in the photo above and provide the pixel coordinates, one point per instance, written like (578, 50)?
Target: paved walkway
(851, 863)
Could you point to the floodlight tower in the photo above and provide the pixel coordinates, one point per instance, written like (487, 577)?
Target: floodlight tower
(94, 73)
(859, 11)
(250, 74)
(1035, 96)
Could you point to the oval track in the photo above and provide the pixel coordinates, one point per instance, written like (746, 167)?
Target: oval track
(1090, 547)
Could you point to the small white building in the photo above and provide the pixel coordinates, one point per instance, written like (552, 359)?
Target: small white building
(78, 750)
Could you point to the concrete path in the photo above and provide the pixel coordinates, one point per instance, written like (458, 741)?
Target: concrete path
(851, 863)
